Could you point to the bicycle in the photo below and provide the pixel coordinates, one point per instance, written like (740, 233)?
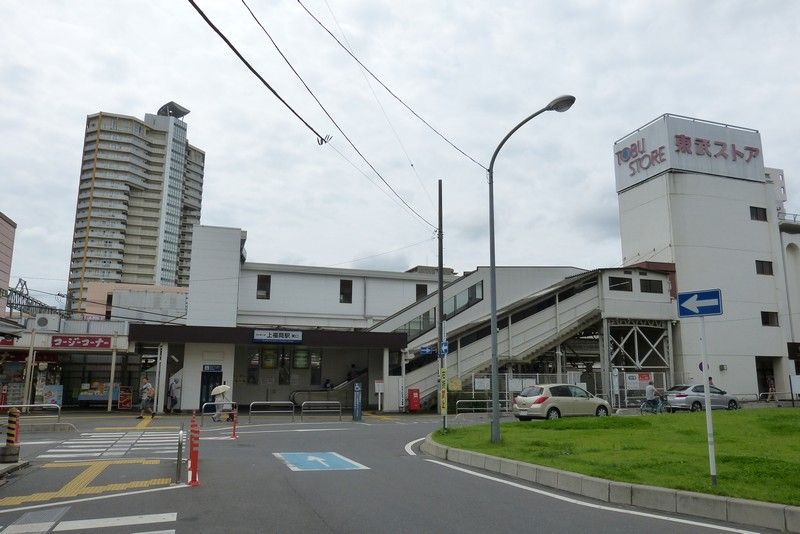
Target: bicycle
(660, 406)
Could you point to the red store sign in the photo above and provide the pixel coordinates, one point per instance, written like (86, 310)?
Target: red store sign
(80, 342)
(6, 342)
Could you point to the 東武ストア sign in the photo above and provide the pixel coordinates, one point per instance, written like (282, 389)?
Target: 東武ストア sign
(277, 336)
(691, 145)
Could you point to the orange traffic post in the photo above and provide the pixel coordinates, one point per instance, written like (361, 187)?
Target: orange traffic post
(194, 452)
(233, 432)
(12, 429)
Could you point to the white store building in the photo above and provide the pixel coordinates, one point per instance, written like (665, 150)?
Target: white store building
(696, 194)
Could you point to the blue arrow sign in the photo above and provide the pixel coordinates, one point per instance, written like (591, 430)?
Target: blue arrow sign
(425, 351)
(317, 461)
(700, 303)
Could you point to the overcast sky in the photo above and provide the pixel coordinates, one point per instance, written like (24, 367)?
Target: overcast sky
(473, 70)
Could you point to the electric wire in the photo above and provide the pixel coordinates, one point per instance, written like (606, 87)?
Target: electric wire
(426, 123)
(320, 139)
(383, 110)
(356, 260)
(336, 124)
(140, 310)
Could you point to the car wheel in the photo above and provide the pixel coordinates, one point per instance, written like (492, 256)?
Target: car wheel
(733, 405)
(602, 411)
(553, 413)
(696, 406)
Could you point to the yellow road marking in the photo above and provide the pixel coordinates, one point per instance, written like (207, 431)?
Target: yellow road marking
(80, 484)
(381, 417)
(144, 423)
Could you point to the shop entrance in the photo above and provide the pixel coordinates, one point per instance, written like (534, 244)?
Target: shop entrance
(209, 379)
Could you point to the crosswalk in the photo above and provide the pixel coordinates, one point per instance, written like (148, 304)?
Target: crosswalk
(115, 445)
(50, 521)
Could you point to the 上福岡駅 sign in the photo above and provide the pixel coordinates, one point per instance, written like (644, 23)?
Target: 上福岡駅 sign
(277, 336)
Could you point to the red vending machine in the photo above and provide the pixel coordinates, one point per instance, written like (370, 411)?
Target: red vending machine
(413, 400)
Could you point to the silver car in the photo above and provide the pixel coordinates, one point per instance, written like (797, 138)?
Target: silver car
(553, 401)
(692, 397)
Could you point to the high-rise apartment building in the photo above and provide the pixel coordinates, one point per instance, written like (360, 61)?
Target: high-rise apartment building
(7, 230)
(141, 188)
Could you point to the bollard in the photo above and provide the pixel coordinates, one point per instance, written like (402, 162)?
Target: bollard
(10, 452)
(194, 452)
(233, 432)
(12, 430)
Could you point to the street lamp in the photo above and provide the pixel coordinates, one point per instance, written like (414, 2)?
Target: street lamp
(560, 104)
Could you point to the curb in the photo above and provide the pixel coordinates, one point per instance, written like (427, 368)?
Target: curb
(742, 511)
(6, 469)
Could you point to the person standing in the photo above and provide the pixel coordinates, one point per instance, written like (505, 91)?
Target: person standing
(146, 393)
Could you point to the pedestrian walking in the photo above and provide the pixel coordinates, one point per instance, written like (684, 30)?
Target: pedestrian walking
(146, 393)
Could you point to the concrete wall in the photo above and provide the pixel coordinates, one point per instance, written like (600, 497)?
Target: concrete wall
(214, 279)
(8, 229)
(195, 356)
(702, 224)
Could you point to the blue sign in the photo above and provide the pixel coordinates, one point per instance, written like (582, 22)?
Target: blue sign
(445, 348)
(318, 461)
(426, 351)
(357, 402)
(700, 303)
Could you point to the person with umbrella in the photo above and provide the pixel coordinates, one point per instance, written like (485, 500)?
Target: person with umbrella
(219, 395)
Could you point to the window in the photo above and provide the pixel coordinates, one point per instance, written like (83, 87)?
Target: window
(463, 300)
(560, 391)
(422, 290)
(763, 267)
(346, 291)
(758, 214)
(263, 286)
(651, 286)
(616, 283)
(769, 318)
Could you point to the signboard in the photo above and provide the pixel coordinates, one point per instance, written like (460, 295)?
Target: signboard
(6, 342)
(277, 336)
(80, 342)
(445, 347)
(700, 303)
(443, 389)
(98, 391)
(379, 386)
(212, 368)
(686, 144)
(426, 351)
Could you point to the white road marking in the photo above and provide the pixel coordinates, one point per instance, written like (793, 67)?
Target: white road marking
(93, 444)
(294, 430)
(88, 499)
(108, 522)
(590, 504)
(411, 444)
(157, 532)
(39, 442)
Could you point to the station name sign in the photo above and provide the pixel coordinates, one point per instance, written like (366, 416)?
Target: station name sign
(277, 336)
(690, 145)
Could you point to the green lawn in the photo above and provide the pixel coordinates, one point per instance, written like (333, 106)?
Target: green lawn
(757, 451)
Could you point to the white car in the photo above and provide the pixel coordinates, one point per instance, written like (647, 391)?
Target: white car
(552, 401)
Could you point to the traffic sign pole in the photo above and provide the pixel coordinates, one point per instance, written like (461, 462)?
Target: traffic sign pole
(712, 461)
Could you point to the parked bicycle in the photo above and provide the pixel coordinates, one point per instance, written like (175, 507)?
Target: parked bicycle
(659, 406)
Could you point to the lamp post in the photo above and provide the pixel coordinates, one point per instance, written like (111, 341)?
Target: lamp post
(560, 104)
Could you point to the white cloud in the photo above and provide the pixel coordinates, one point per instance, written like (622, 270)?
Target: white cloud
(473, 69)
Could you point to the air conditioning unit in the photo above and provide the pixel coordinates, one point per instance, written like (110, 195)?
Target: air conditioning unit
(46, 322)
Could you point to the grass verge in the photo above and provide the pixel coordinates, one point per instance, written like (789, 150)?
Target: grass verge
(757, 451)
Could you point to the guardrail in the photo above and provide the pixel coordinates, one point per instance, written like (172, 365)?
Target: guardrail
(321, 407)
(269, 404)
(234, 409)
(480, 406)
(42, 406)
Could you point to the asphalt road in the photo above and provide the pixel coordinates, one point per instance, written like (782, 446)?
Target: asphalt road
(246, 487)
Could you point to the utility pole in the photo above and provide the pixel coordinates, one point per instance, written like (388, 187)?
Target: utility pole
(440, 320)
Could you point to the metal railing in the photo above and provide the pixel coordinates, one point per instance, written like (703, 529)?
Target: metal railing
(321, 407)
(234, 409)
(269, 405)
(26, 410)
(480, 406)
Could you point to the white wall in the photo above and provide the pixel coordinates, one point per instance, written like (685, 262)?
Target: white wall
(214, 276)
(195, 356)
(702, 224)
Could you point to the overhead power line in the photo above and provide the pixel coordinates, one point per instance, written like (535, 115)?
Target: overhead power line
(320, 139)
(322, 107)
(426, 123)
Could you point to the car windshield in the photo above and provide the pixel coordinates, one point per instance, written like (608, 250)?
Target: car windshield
(533, 391)
(678, 388)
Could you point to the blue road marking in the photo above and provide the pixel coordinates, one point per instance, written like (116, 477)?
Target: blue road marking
(317, 461)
